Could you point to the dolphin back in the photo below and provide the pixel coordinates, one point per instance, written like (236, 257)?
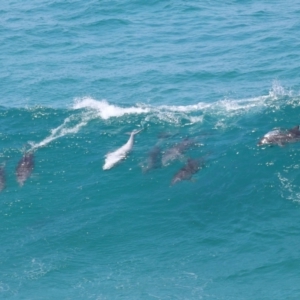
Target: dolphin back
(2, 177)
(25, 167)
(115, 157)
(186, 172)
(295, 130)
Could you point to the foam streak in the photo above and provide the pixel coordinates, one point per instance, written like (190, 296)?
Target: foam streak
(66, 128)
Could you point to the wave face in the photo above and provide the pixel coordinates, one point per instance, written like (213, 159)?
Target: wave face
(130, 216)
(195, 210)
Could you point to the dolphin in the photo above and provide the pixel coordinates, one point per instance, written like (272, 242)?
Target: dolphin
(25, 167)
(115, 157)
(154, 159)
(2, 178)
(186, 172)
(165, 135)
(176, 151)
(280, 136)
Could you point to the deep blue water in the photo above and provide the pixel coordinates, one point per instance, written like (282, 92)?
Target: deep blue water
(76, 76)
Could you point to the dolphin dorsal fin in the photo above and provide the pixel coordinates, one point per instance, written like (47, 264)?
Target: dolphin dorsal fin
(295, 130)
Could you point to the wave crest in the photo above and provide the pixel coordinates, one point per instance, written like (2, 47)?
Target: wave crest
(222, 110)
(105, 109)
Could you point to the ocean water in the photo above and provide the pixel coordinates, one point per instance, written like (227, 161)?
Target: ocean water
(76, 76)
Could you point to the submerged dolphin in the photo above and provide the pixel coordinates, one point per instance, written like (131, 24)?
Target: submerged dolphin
(280, 137)
(154, 159)
(25, 167)
(176, 151)
(113, 158)
(186, 172)
(2, 178)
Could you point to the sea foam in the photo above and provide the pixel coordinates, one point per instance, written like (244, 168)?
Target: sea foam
(90, 109)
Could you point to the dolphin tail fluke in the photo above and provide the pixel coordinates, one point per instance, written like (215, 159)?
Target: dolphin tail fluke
(134, 132)
(137, 131)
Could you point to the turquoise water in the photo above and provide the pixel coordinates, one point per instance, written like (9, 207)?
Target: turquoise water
(76, 77)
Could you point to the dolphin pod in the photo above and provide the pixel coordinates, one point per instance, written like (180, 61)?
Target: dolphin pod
(156, 158)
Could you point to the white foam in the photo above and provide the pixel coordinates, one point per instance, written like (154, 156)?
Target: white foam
(36, 269)
(278, 90)
(68, 127)
(107, 110)
(222, 106)
(289, 190)
(172, 114)
(188, 108)
(4, 287)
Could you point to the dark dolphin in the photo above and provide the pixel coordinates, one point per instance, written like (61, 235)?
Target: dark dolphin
(186, 172)
(165, 135)
(176, 151)
(153, 159)
(25, 167)
(280, 137)
(2, 178)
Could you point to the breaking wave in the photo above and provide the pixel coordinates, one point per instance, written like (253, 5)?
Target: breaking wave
(105, 110)
(87, 109)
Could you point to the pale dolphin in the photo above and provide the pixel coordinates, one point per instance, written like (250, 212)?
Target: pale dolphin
(186, 172)
(25, 167)
(280, 137)
(115, 157)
